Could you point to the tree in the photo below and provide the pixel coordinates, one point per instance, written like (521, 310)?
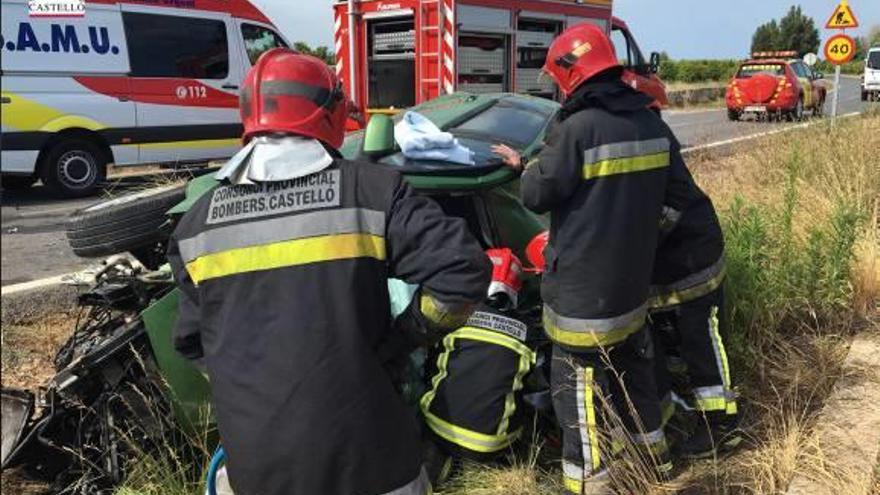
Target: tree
(766, 37)
(798, 32)
(321, 52)
(874, 36)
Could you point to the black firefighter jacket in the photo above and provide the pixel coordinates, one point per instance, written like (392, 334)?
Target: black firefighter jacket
(602, 176)
(690, 254)
(284, 295)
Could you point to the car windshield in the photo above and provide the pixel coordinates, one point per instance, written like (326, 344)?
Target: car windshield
(749, 70)
(517, 123)
(874, 60)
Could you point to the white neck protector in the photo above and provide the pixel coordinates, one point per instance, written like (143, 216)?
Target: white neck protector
(275, 159)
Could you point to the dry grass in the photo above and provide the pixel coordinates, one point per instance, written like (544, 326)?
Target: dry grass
(28, 348)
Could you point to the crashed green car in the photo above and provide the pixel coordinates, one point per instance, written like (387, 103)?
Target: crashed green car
(120, 360)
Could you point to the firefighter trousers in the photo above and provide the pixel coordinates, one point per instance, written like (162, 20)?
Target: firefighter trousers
(694, 333)
(599, 395)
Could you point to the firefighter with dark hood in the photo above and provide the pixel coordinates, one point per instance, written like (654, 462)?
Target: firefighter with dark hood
(283, 272)
(688, 318)
(602, 177)
(474, 406)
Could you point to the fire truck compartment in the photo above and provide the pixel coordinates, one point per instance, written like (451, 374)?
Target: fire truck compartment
(533, 38)
(482, 63)
(391, 63)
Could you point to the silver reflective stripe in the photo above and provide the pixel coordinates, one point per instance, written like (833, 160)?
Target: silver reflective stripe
(599, 325)
(419, 486)
(572, 470)
(692, 280)
(713, 392)
(650, 437)
(625, 149)
(586, 448)
(279, 229)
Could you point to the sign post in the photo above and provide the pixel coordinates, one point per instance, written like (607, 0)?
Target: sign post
(840, 48)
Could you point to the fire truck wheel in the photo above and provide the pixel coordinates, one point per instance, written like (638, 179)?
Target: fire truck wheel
(125, 223)
(732, 115)
(74, 167)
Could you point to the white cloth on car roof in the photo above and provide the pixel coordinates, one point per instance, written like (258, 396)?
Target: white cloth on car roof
(275, 159)
(421, 139)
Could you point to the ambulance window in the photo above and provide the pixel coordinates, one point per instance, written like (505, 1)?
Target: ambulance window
(258, 39)
(172, 46)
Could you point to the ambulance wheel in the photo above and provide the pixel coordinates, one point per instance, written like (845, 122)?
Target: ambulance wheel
(17, 182)
(131, 222)
(74, 167)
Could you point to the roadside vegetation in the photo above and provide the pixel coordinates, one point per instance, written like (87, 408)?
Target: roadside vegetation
(801, 213)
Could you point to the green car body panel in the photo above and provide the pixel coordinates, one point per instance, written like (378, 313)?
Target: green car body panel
(513, 225)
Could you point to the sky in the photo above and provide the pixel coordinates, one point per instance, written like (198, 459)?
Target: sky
(686, 29)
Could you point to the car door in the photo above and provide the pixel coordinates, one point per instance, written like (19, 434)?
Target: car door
(184, 80)
(803, 75)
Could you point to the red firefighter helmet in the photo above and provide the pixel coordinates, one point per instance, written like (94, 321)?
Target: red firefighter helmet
(292, 93)
(535, 251)
(579, 53)
(506, 273)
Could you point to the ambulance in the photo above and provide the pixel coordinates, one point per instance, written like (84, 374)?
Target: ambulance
(393, 54)
(122, 82)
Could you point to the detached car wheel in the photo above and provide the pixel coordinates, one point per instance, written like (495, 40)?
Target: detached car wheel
(74, 168)
(126, 223)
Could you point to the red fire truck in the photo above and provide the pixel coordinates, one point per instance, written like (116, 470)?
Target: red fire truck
(393, 54)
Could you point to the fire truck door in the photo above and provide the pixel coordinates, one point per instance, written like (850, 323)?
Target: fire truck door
(391, 66)
(484, 49)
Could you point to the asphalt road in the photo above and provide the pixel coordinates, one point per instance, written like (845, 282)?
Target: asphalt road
(34, 245)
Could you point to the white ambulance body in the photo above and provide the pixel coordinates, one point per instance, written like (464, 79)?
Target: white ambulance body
(129, 82)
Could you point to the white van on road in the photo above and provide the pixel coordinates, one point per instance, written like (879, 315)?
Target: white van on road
(129, 82)
(871, 77)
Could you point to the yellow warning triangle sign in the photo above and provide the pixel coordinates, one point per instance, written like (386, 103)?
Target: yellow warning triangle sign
(842, 18)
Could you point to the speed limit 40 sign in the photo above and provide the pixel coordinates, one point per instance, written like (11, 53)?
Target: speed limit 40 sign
(840, 49)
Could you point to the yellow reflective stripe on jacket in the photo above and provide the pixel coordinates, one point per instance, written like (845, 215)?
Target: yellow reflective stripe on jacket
(471, 440)
(442, 371)
(286, 254)
(446, 315)
(625, 157)
(591, 333)
(692, 287)
(625, 165)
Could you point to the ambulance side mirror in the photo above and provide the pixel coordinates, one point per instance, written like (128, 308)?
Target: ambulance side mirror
(379, 136)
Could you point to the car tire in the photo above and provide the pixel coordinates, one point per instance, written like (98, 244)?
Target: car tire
(864, 96)
(819, 109)
(17, 182)
(733, 115)
(122, 224)
(797, 114)
(74, 168)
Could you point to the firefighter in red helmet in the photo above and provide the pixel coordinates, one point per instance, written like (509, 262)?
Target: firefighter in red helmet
(602, 176)
(283, 270)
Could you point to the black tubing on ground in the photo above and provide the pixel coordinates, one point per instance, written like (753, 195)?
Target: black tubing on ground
(122, 224)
